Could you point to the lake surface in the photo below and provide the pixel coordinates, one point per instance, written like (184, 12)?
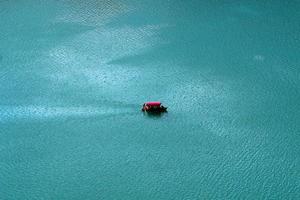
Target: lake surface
(74, 74)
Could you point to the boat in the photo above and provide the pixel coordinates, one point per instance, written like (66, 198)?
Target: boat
(154, 106)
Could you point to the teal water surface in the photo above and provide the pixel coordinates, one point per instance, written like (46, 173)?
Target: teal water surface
(74, 74)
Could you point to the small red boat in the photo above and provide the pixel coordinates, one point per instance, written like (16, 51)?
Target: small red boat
(154, 106)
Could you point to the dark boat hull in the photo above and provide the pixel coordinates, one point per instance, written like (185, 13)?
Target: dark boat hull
(156, 110)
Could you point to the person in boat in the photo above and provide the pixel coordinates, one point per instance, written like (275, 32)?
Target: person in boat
(163, 108)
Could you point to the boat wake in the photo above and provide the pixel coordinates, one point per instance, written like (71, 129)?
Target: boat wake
(11, 113)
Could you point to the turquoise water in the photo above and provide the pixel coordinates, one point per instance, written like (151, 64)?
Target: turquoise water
(74, 74)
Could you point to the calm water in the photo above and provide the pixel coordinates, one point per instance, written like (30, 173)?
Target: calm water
(74, 73)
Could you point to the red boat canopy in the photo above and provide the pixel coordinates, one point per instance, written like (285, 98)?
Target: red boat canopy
(153, 103)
